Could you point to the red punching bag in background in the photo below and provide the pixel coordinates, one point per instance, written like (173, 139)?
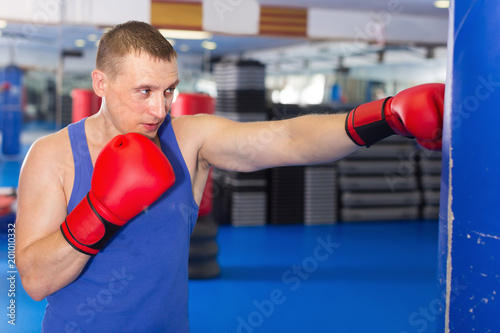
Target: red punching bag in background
(85, 104)
(191, 104)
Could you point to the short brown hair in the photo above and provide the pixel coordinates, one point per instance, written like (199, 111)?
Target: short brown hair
(125, 38)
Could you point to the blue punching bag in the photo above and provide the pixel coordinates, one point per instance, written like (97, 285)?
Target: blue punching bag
(11, 111)
(469, 235)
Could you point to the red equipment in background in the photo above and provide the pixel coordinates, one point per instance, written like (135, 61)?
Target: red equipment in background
(85, 104)
(192, 104)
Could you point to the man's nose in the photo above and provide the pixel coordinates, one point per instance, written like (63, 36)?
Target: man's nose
(159, 107)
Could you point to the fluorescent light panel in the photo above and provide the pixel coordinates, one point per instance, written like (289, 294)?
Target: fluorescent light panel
(80, 43)
(185, 34)
(442, 4)
(209, 45)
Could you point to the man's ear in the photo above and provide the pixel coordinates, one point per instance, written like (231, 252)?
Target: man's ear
(99, 82)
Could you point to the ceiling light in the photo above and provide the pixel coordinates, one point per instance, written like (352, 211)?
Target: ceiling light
(92, 37)
(442, 3)
(209, 45)
(184, 48)
(80, 42)
(3, 24)
(185, 34)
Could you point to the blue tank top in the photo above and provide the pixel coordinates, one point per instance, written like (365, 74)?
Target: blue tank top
(139, 281)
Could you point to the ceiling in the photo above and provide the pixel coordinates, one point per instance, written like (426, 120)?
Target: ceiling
(416, 7)
(21, 41)
(47, 38)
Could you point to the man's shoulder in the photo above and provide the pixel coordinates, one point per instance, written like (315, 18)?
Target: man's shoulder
(56, 140)
(185, 124)
(196, 128)
(197, 118)
(196, 123)
(51, 147)
(48, 160)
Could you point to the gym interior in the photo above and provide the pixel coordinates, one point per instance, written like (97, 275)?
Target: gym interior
(388, 239)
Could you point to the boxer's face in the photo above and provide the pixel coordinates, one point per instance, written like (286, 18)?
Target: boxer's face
(139, 97)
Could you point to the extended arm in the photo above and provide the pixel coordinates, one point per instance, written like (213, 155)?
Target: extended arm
(415, 112)
(254, 146)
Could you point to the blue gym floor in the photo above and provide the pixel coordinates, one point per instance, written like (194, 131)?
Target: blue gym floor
(350, 277)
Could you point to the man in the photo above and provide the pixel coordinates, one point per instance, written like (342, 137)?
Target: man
(82, 241)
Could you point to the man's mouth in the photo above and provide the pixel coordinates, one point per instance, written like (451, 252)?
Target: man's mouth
(151, 126)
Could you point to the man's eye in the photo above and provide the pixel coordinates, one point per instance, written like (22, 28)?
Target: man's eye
(170, 90)
(145, 91)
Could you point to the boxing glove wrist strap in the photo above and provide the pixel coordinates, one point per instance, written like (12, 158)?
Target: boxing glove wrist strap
(366, 124)
(86, 230)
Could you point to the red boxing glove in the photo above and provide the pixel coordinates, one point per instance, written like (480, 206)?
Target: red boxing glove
(4, 86)
(130, 173)
(415, 112)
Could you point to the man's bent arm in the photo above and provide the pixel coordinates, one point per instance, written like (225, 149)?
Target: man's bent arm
(44, 259)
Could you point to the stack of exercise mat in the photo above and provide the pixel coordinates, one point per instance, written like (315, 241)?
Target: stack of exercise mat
(241, 91)
(286, 195)
(430, 171)
(320, 196)
(203, 249)
(380, 182)
(303, 194)
(241, 198)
